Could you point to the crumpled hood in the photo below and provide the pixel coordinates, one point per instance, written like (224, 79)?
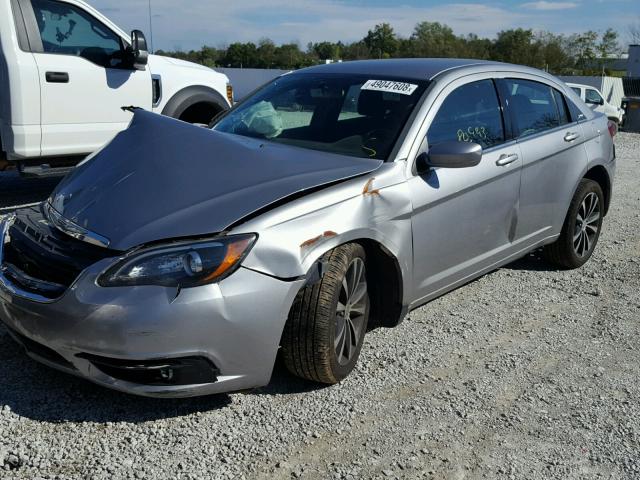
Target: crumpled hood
(163, 178)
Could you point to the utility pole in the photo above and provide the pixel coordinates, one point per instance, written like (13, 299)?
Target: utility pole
(150, 26)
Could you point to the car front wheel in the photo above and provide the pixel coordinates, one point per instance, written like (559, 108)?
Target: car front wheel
(581, 228)
(325, 330)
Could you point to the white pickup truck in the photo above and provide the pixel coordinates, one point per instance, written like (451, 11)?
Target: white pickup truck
(66, 71)
(594, 99)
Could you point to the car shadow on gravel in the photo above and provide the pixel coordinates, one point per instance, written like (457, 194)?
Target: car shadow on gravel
(534, 262)
(283, 383)
(40, 393)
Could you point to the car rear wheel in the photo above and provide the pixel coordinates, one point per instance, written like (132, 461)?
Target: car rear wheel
(581, 228)
(325, 330)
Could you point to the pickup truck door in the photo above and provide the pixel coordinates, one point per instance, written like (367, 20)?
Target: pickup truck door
(83, 83)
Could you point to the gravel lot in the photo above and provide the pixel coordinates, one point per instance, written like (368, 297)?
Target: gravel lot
(527, 372)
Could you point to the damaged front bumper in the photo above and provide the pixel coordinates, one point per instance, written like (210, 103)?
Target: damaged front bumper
(148, 341)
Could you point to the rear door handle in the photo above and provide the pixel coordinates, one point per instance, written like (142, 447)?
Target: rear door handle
(571, 136)
(506, 159)
(57, 77)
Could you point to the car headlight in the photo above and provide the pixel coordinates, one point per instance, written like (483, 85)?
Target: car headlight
(182, 265)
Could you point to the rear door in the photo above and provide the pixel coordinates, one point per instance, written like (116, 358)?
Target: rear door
(553, 155)
(464, 219)
(84, 81)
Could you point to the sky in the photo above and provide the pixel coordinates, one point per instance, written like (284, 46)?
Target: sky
(190, 24)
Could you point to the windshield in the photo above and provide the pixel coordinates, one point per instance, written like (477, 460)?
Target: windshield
(352, 115)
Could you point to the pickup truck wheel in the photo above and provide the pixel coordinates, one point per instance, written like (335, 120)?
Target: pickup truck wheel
(197, 105)
(581, 228)
(200, 114)
(325, 330)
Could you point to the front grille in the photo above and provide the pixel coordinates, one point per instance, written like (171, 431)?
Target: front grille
(38, 251)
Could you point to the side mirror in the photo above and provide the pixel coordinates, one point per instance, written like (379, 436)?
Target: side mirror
(139, 52)
(449, 155)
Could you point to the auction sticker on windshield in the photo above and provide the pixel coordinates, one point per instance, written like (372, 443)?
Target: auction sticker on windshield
(390, 86)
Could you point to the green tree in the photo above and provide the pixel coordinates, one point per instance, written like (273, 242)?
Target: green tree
(514, 46)
(265, 54)
(608, 47)
(356, 51)
(381, 41)
(476, 47)
(553, 53)
(326, 50)
(289, 56)
(240, 55)
(584, 49)
(433, 39)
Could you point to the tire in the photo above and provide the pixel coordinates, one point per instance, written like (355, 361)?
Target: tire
(191, 97)
(579, 238)
(312, 335)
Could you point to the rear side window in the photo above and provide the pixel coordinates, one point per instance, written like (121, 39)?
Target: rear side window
(577, 90)
(575, 113)
(471, 113)
(533, 106)
(561, 104)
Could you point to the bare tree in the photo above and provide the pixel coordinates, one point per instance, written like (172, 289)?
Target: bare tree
(633, 32)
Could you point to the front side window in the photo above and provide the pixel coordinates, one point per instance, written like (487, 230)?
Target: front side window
(533, 106)
(591, 96)
(353, 115)
(471, 113)
(68, 30)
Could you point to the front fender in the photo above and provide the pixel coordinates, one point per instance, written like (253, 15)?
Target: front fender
(294, 236)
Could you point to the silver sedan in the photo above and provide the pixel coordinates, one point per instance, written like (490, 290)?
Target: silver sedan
(178, 261)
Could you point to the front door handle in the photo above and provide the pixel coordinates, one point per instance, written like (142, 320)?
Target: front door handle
(571, 136)
(506, 159)
(57, 77)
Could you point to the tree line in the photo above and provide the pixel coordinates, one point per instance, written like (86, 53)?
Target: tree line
(582, 53)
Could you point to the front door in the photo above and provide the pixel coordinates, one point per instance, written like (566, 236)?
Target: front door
(83, 80)
(465, 218)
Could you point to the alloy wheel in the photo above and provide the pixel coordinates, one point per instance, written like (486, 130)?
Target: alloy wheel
(350, 313)
(587, 225)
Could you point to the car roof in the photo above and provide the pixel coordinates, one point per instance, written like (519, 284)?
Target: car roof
(409, 68)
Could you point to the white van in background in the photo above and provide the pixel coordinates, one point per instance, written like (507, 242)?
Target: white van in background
(66, 71)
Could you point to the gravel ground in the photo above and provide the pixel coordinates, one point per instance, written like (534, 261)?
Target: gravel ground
(528, 372)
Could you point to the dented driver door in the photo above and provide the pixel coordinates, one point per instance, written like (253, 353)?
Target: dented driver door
(465, 219)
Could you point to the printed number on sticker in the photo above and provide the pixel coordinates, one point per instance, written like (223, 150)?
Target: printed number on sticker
(390, 87)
